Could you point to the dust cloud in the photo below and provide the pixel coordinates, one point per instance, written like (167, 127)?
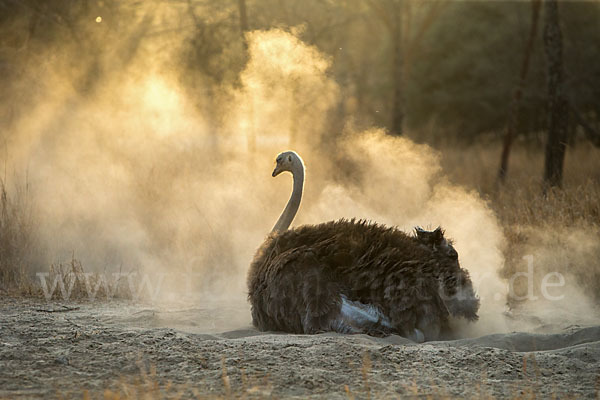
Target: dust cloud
(135, 177)
(401, 183)
(558, 278)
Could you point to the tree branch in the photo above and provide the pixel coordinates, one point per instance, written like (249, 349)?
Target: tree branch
(381, 13)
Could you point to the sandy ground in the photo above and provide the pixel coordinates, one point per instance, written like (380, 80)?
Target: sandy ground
(50, 350)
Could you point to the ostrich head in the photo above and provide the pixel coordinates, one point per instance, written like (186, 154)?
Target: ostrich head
(436, 240)
(287, 161)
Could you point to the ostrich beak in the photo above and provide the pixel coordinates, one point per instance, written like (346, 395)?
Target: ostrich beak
(276, 171)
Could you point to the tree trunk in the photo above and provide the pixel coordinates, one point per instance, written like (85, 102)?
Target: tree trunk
(243, 21)
(390, 13)
(243, 29)
(518, 92)
(557, 103)
(397, 72)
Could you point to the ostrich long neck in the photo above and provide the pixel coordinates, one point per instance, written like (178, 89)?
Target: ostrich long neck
(286, 218)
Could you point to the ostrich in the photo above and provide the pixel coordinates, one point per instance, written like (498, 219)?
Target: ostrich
(355, 276)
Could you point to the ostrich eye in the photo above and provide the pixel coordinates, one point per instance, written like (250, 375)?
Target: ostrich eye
(278, 160)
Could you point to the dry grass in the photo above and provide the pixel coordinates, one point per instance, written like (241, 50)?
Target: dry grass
(69, 281)
(149, 385)
(19, 244)
(16, 239)
(560, 227)
(521, 200)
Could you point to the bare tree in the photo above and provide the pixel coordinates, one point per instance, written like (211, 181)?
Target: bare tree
(243, 20)
(518, 92)
(390, 12)
(397, 67)
(243, 13)
(404, 45)
(558, 109)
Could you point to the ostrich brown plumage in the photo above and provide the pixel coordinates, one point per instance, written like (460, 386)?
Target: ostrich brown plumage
(354, 276)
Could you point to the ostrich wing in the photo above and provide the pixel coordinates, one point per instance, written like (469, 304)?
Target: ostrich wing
(299, 296)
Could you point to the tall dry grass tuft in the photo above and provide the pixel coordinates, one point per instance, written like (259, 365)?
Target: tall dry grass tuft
(17, 238)
(69, 281)
(19, 246)
(528, 204)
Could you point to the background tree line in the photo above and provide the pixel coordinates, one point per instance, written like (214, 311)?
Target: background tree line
(440, 70)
